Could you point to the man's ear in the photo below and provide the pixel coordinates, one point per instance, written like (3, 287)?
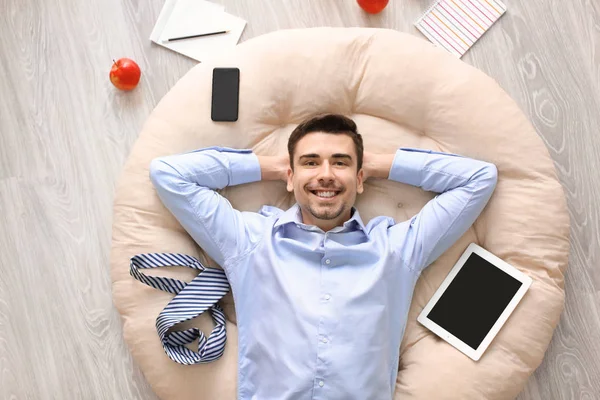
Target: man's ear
(359, 181)
(290, 183)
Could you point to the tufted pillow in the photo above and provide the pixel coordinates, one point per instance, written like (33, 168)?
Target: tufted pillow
(401, 91)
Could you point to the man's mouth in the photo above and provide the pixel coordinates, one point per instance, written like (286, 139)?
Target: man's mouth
(325, 194)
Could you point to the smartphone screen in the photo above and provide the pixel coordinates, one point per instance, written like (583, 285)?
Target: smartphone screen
(225, 94)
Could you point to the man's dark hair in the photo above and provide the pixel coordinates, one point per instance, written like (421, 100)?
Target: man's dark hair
(327, 123)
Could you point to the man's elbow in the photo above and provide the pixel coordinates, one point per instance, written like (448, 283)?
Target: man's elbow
(485, 178)
(157, 171)
(491, 176)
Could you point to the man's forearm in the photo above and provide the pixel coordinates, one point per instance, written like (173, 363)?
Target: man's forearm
(211, 167)
(439, 172)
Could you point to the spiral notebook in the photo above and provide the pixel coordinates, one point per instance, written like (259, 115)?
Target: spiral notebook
(456, 25)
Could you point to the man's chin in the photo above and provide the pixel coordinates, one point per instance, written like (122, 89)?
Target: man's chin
(327, 215)
(324, 204)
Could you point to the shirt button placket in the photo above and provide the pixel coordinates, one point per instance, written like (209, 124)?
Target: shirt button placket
(323, 323)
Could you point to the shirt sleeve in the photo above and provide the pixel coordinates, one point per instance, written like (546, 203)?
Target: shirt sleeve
(464, 185)
(186, 185)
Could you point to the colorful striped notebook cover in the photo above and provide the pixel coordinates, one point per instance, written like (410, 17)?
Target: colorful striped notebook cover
(456, 25)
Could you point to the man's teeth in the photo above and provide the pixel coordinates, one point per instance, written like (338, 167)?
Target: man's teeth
(325, 194)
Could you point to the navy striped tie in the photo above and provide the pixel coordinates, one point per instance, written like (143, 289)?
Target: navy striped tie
(190, 300)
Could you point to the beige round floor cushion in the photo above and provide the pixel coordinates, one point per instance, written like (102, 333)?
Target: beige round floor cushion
(401, 91)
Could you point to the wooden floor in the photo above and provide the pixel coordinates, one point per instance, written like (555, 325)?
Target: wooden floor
(65, 132)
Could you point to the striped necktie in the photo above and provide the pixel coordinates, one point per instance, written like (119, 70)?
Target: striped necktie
(190, 300)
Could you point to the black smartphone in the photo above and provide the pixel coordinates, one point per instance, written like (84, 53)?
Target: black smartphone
(225, 94)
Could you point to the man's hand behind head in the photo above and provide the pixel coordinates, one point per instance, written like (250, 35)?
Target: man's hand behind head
(377, 165)
(274, 168)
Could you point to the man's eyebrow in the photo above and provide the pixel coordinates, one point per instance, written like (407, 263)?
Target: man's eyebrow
(336, 155)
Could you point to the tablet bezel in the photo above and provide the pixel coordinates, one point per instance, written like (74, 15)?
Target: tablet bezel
(453, 340)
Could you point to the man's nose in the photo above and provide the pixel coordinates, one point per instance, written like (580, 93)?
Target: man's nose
(325, 172)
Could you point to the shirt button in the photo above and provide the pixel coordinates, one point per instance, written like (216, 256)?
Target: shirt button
(324, 340)
(328, 261)
(321, 383)
(327, 297)
(400, 205)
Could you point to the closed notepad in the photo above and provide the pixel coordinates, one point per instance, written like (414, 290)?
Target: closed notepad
(456, 25)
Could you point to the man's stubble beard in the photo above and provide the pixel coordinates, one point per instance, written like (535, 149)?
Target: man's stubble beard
(327, 215)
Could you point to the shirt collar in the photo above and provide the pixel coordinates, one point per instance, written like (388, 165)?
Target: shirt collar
(294, 214)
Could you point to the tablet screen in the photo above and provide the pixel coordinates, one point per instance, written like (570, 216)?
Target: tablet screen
(474, 300)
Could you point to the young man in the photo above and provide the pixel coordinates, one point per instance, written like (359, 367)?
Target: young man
(321, 298)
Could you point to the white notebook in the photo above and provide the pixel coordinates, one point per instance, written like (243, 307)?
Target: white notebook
(193, 17)
(456, 25)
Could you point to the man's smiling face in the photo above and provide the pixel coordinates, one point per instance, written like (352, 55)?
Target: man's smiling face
(325, 181)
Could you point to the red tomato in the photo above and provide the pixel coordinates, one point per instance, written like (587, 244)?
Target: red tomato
(125, 74)
(372, 6)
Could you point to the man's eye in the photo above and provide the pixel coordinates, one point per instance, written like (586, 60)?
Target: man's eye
(314, 163)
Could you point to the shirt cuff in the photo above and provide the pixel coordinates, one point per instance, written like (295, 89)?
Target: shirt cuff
(243, 168)
(407, 166)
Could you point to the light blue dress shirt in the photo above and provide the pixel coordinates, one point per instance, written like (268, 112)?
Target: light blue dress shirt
(320, 315)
